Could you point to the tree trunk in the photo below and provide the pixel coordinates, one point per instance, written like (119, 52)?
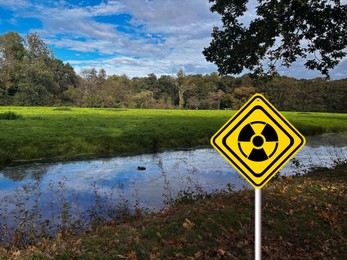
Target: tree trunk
(180, 99)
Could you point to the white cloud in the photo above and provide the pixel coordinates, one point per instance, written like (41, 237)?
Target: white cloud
(182, 31)
(187, 55)
(158, 13)
(15, 5)
(161, 36)
(165, 35)
(75, 22)
(106, 8)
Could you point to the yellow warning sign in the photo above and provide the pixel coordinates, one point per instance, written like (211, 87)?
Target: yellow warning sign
(258, 141)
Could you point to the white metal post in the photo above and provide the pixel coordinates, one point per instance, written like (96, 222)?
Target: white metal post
(257, 224)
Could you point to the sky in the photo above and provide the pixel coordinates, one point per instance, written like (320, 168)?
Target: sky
(132, 37)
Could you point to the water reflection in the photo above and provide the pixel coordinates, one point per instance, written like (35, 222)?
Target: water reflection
(100, 186)
(19, 173)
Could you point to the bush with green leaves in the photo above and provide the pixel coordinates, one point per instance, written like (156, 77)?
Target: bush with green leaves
(10, 116)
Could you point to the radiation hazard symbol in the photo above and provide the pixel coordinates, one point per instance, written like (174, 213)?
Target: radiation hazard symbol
(258, 141)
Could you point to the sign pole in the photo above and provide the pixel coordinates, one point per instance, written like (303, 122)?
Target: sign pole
(257, 224)
(258, 141)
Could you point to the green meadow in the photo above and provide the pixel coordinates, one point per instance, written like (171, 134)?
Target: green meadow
(53, 134)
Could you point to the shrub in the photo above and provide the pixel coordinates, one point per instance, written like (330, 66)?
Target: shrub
(10, 116)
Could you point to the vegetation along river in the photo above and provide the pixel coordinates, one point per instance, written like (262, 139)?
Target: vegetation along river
(79, 191)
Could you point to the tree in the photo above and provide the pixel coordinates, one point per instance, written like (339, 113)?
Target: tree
(118, 87)
(11, 48)
(217, 97)
(143, 98)
(89, 79)
(182, 84)
(29, 72)
(283, 31)
(36, 83)
(167, 91)
(12, 55)
(37, 48)
(64, 75)
(240, 95)
(193, 102)
(102, 76)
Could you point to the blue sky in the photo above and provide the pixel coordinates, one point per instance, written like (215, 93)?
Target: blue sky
(132, 37)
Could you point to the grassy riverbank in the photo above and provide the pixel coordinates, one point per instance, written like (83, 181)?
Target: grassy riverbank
(46, 133)
(303, 218)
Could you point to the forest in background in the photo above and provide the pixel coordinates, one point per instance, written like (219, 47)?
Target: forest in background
(30, 75)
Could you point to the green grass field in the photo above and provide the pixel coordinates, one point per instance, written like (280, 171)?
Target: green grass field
(47, 133)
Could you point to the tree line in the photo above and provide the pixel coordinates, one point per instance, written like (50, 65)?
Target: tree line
(30, 75)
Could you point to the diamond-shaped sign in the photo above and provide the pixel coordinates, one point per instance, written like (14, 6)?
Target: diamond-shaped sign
(258, 141)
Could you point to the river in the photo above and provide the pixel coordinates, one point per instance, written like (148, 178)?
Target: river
(81, 190)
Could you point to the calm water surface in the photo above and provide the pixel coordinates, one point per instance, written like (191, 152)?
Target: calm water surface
(83, 184)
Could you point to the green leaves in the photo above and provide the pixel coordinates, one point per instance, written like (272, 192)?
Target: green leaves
(29, 72)
(282, 32)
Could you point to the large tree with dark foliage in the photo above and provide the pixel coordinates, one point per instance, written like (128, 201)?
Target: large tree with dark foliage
(282, 32)
(29, 72)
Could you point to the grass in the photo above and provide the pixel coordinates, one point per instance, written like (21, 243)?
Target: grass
(304, 217)
(315, 123)
(46, 133)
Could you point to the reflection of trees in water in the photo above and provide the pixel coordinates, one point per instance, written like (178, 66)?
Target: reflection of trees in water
(333, 140)
(18, 173)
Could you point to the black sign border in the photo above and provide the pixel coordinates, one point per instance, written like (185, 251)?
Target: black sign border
(274, 121)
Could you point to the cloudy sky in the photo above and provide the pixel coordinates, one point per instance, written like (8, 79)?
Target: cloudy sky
(134, 37)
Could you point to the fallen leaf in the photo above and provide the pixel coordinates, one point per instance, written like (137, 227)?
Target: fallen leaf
(58, 237)
(221, 252)
(188, 224)
(333, 217)
(132, 255)
(293, 198)
(282, 191)
(198, 254)
(154, 256)
(324, 215)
